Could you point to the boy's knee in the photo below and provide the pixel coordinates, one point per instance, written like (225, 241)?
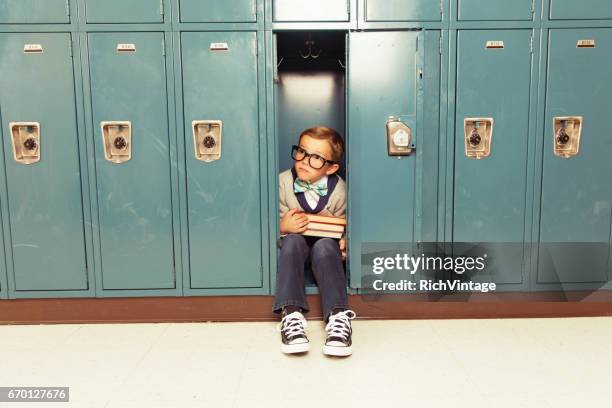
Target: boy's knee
(325, 247)
(293, 242)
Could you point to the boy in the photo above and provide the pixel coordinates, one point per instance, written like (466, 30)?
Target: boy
(311, 186)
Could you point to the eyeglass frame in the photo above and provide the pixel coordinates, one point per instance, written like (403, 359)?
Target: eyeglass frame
(309, 156)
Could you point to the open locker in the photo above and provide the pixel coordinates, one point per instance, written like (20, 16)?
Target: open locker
(369, 87)
(310, 90)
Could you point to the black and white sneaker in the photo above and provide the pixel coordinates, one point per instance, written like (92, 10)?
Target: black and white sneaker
(338, 328)
(293, 337)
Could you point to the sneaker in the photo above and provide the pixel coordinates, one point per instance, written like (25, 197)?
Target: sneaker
(293, 337)
(338, 328)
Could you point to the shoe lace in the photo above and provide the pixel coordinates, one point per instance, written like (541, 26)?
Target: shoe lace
(292, 324)
(339, 324)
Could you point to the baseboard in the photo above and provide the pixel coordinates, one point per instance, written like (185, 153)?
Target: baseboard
(259, 308)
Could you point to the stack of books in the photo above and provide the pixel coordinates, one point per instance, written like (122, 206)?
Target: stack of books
(325, 226)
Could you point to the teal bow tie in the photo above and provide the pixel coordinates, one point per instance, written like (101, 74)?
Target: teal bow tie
(300, 186)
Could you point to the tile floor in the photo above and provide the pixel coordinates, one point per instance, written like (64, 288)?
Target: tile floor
(396, 363)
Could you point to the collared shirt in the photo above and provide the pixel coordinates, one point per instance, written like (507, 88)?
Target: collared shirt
(311, 196)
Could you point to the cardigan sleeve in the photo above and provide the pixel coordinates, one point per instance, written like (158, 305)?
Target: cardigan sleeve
(339, 203)
(282, 201)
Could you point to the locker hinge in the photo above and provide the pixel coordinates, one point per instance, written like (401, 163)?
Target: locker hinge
(68, 7)
(440, 45)
(441, 7)
(348, 9)
(532, 6)
(531, 44)
(70, 47)
(163, 46)
(161, 7)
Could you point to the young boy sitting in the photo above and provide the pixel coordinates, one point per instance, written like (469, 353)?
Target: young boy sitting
(311, 186)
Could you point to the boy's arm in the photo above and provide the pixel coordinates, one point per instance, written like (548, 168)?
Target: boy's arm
(340, 207)
(282, 205)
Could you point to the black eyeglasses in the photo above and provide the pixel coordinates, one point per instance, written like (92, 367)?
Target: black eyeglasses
(316, 162)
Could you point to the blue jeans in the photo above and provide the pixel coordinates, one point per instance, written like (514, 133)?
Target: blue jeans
(327, 267)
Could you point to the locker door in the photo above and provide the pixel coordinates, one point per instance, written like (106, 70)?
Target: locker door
(576, 191)
(311, 10)
(493, 82)
(214, 11)
(223, 196)
(44, 197)
(402, 10)
(3, 274)
(577, 10)
(382, 78)
(118, 11)
(134, 196)
(495, 9)
(34, 11)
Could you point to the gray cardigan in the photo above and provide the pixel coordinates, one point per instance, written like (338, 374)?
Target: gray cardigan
(336, 206)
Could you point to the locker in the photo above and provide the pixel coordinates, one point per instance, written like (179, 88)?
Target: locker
(214, 11)
(491, 143)
(576, 10)
(41, 158)
(382, 80)
(118, 11)
(311, 10)
(470, 10)
(132, 156)
(576, 191)
(402, 10)
(220, 89)
(3, 275)
(34, 11)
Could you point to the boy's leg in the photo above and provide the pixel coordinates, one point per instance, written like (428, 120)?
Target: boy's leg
(290, 286)
(328, 271)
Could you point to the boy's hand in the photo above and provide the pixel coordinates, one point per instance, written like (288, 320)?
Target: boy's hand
(342, 244)
(293, 222)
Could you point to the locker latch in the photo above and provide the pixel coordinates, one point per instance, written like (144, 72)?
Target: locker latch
(567, 135)
(478, 133)
(207, 139)
(26, 141)
(399, 138)
(117, 136)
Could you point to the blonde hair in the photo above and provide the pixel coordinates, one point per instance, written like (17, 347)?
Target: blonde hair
(332, 136)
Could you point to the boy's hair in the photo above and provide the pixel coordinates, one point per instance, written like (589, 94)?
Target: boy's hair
(333, 138)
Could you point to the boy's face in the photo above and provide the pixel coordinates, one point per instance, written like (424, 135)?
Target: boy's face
(323, 149)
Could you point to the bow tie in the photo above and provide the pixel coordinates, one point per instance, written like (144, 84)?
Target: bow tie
(300, 186)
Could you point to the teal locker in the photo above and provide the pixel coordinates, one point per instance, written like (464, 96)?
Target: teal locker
(3, 275)
(402, 10)
(584, 9)
(382, 79)
(132, 156)
(472, 10)
(215, 11)
(576, 190)
(34, 11)
(118, 11)
(41, 157)
(491, 144)
(220, 92)
(311, 10)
